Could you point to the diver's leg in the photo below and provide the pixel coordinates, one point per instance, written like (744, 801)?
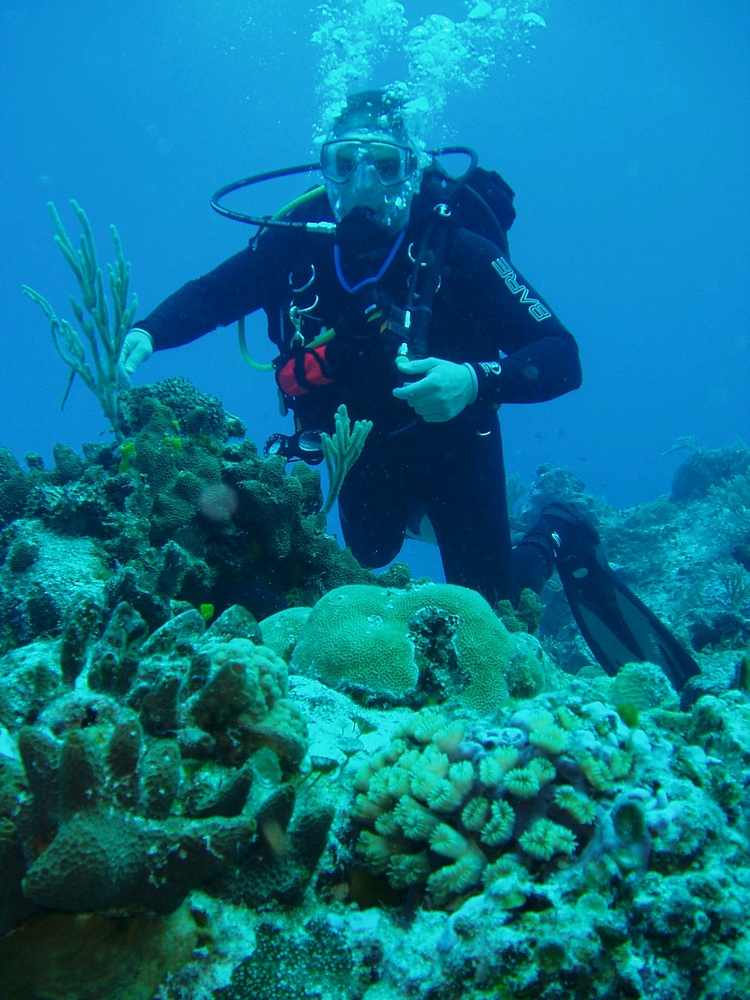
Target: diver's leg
(463, 489)
(373, 506)
(560, 530)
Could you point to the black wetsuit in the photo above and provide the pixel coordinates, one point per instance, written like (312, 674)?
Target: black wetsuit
(484, 312)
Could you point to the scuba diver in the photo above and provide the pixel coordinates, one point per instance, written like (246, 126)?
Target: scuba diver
(389, 288)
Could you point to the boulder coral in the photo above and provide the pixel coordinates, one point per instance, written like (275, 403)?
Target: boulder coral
(430, 643)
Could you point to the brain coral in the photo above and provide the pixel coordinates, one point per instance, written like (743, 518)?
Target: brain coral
(427, 644)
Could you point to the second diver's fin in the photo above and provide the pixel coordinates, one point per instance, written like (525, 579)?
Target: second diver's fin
(617, 626)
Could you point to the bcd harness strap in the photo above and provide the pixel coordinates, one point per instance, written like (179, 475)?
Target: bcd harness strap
(302, 367)
(425, 282)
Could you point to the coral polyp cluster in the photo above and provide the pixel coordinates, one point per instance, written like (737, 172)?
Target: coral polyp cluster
(452, 806)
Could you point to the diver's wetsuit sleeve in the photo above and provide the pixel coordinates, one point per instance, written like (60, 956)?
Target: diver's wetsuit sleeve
(541, 356)
(238, 286)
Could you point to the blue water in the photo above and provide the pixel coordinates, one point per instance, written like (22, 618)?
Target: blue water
(625, 134)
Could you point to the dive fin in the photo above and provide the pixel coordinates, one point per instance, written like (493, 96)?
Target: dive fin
(617, 626)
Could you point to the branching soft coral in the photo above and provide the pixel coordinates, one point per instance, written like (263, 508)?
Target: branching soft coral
(104, 339)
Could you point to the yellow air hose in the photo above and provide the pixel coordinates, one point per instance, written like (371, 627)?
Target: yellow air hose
(323, 337)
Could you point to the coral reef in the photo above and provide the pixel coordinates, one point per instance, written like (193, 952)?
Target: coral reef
(182, 511)
(453, 804)
(243, 779)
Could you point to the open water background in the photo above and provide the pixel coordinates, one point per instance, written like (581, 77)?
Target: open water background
(625, 133)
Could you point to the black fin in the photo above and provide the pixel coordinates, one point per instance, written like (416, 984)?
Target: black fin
(617, 625)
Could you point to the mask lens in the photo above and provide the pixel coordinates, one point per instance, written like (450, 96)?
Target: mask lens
(345, 156)
(338, 160)
(388, 161)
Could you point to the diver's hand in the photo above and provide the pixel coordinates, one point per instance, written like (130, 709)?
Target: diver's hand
(137, 348)
(443, 390)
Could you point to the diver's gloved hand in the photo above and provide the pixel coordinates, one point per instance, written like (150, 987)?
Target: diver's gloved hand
(137, 348)
(444, 388)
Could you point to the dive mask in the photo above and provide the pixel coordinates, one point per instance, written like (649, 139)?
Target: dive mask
(392, 162)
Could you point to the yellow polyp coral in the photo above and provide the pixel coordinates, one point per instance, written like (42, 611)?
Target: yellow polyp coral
(376, 849)
(543, 768)
(475, 813)
(362, 777)
(394, 751)
(461, 776)
(545, 839)
(490, 772)
(365, 808)
(416, 821)
(499, 827)
(576, 804)
(549, 737)
(427, 724)
(455, 805)
(378, 789)
(493, 767)
(448, 842)
(509, 882)
(620, 763)
(387, 825)
(445, 796)
(506, 866)
(426, 784)
(399, 782)
(407, 870)
(460, 877)
(506, 757)
(435, 762)
(596, 772)
(567, 718)
(523, 782)
(449, 737)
